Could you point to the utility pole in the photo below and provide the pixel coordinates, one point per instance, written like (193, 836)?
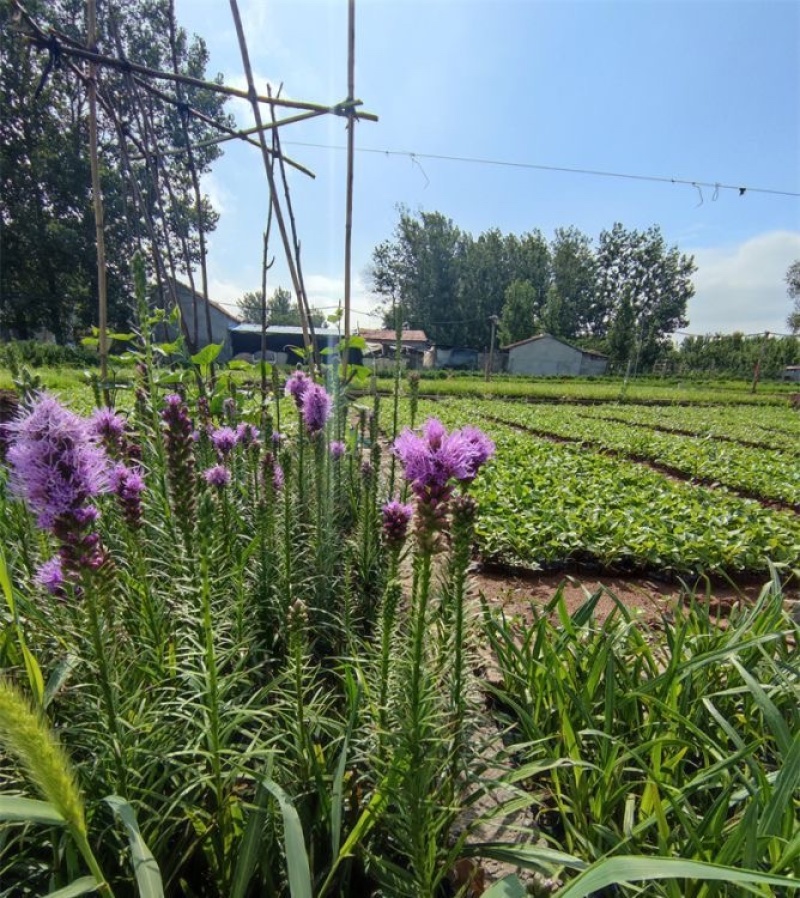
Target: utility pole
(494, 319)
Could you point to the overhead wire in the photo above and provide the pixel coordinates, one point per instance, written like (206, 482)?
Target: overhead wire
(414, 156)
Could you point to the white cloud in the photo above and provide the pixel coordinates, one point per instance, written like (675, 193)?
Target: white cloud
(742, 287)
(225, 293)
(326, 293)
(216, 191)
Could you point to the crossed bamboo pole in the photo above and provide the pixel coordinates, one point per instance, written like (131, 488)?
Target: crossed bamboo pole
(64, 47)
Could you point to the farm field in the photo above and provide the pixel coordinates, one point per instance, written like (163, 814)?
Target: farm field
(282, 683)
(598, 494)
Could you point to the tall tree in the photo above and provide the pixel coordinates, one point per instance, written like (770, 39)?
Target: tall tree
(793, 289)
(486, 270)
(638, 267)
(571, 299)
(281, 309)
(519, 310)
(421, 266)
(48, 273)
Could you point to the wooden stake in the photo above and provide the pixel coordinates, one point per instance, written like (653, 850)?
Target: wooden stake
(102, 291)
(348, 219)
(253, 97)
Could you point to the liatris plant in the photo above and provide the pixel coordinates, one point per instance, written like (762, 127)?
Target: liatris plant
(180, 462)
(432, 464)
(315, 408)
(58, 468)
(127, 484)
(296, 386)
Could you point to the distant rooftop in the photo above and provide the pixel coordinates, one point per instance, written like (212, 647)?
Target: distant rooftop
(385, 336)
(284, 330)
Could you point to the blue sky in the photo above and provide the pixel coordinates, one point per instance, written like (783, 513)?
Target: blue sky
(705, 91)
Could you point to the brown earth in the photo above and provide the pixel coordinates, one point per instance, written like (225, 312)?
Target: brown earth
(515, 592)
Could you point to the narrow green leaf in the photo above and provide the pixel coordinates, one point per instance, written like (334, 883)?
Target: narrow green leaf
(35, 678)
(787, 781)
(625, 870)
(532, 857)
(5, 583)
(772, 716)
(295, 846)
(15, 809)
(58, 678)
(148, 876)
(81, 886)
(250, 850)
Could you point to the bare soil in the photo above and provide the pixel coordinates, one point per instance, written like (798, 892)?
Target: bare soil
(516, 592)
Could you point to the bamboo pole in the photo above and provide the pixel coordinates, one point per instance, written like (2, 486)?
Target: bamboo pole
(100, 59)
(252, 96)
(102, 289)
(303, 296)
(348, 220)
(227, 133)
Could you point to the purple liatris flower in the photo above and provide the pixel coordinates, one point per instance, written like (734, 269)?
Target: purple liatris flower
(224, 439)
(179, 444)
(219, 476)
(432, 462)
(481, 449)
(395, 517)
(272, 472)
(109, 427)
(337, 449)
(316, 408)
(296, 386)
(56, 464)
(128, 485)
(50, 576)
(247, 434)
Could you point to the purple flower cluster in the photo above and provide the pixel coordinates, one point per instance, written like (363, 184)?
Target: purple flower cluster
(219, 476)
(247, 434)
(316, 408)
(127, 484)
(395, 518)
(57, 467)
(432, 463)
(337, 449)
(179, 443)
(50, 576)
(434, 459)
(296, 386)
(272, 472)
(109, 428)
(224, 440)
(56, 463)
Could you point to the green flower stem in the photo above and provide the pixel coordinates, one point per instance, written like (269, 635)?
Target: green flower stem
(104, 675)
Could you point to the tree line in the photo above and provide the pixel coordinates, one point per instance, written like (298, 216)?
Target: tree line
(48, 276)
(624, 295)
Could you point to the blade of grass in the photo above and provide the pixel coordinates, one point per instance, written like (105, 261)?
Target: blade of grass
(29, 810)
(145, 867)
(294, 843)
(626, 870)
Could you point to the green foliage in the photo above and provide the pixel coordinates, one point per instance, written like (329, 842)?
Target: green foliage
(632, 288)
(281, 309)
(673, 745)
(48, 278)
(544, 504)
(516, 322)
(737, 355)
